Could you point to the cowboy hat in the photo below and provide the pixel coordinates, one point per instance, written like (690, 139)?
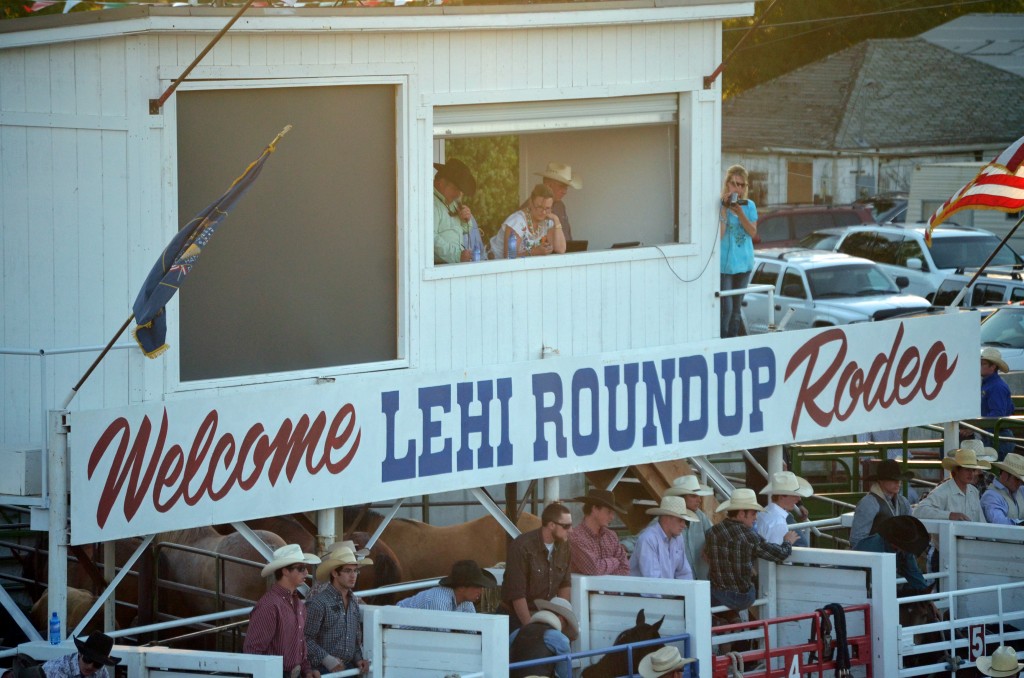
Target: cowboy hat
(456, 172)
(96, 648)
(663, 661)
(1012, 464)
(548, 618)
(905, 533)
(980, 451)
(992, 355)
(348, 544)
(684, 485)
(889, 469)
(289, 554)
(742, 499)
(340, 556)
(563, 608)
(1003, 662)
(561, 173)
(964, 458)
(673, 506)
(602, 498)
(788, 483)
(468, 573)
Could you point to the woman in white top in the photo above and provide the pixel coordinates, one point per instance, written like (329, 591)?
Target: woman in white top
(535, 230)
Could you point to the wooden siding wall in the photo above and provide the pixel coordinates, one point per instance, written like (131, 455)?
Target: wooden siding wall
(87, 201)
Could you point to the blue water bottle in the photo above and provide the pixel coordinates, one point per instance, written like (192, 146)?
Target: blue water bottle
(476, 252)
(512, 246)
(55, 630)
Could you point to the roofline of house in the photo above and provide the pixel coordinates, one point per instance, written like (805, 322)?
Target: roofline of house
(907, 151)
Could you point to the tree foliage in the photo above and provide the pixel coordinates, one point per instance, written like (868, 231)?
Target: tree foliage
(494, 162)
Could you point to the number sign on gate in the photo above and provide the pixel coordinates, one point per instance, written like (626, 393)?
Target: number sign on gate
(976, 633)
(793, 666)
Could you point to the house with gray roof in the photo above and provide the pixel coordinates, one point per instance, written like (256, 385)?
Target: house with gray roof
(994, 39)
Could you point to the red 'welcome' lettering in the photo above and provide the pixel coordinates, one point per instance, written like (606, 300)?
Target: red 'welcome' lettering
(170, 476)
(898, 375)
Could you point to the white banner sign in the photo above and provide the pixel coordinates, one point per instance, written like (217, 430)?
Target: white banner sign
(393, 434)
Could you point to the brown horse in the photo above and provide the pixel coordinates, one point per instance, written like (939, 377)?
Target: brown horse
(79, 602)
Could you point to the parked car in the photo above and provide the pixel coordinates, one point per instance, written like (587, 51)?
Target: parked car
(824, 239)
(991, 287)
(886, 208)
(1004, 329)
(824, 289)
(902, 251)
(784, 226)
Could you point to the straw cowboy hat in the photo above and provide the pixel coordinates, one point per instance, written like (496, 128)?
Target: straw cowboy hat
(992, 354)
(889, 469)
(980, 451)
(562, 607)
(338, 557)
(456, 172)
(665, 660)
(545, 617)
(742, 499)
(1013, 464)
(351, 545)
(1003, 662)
(562, 173)
(602, 498)
(788, 483)
(289, 554)
(684, 485)
(468, 573)
(964, 458)
(906, 533)
(96, 648)
(673, 506)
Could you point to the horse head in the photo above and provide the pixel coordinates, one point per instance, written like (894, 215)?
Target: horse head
(386, 569)
(616, 664)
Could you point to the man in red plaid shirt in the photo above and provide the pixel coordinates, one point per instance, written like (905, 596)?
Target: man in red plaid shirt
(593, 547)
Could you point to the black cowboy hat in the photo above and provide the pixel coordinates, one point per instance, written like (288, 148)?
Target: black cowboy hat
(905, 533)
(602, 498)
(97, 648)
(889, 469)
(468, 573)
(456, 172)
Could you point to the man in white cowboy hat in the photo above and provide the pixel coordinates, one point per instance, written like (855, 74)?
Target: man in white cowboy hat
(664, 663)
(995, 393)
(1003, 501)
(456, 234)
(559, 178)
(91, 660)
(1002, 663)
(277, 623)
(458, 592)
(333, 618)
(594, 549)
(693, 493)
(882, 501)
(732, 546)
(548, 634)
(660, 550)
(786, 489)
(956, 498)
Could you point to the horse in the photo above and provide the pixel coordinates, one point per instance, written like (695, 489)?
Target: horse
(917, 614)
(616, 663)
(79, 602)
(427, 551)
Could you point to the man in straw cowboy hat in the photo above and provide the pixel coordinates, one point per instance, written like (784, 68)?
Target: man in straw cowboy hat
(956, 498)
(995, 393)
(537, 565)
(551, 628)
(456, 234)
(458, 592)
(594, 549)
(277, 623)
(693, 492)
(91, 660)
(1003, 501)
(1002, 663)
(333, 617)
(732, 546)
(882, 501)
(559, 178)
(660, 550)
(906, 537)
(786, 489)
(664, 663)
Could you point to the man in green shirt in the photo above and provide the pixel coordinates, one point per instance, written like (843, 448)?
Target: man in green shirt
(456, 235)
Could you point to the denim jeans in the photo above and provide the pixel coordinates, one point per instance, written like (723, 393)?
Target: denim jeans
(733, 600)
(732, 321)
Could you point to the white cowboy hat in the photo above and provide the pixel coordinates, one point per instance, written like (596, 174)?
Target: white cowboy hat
(562, 173)
(673, 506)
(665, 660)
(545, 617)
(788, 483)
(684, 485)
(1003, 662)
(563, 607)
(340, 556)
(992, 354)
(289, 554)
(1013, 464)
(742, 499)
(980, 451)
(964, 458)
(348, 544)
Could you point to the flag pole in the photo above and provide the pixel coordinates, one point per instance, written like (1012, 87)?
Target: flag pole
(963, 292)
(103, 353)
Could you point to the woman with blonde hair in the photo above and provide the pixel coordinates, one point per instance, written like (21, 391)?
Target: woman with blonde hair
(737, 221)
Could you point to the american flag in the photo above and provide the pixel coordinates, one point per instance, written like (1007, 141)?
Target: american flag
(999, 186)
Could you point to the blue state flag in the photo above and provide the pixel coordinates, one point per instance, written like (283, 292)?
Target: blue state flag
(181, 254)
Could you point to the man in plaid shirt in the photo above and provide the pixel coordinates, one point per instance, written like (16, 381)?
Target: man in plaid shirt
(333, 619)
(594, 548)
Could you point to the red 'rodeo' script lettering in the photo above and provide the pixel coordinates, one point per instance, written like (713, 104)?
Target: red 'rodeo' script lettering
(893, 377)
(290, 446)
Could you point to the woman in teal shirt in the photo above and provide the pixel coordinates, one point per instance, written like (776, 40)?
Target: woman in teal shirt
(737, 222)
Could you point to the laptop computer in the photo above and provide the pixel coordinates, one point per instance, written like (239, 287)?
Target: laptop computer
(631, 243)
(576, 246)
